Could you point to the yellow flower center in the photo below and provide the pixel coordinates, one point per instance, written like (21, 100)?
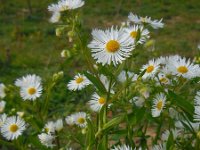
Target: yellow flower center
(133, 34)
(163, 80)
(159, 105)
(13, 128)
(31, 91)
(150, 69)
(101, 100)
(112, 46)
(79, 80)
(81, 120)
(182, 69)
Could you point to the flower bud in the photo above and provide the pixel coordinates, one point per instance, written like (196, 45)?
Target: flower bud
(65, 53)
(59, 31)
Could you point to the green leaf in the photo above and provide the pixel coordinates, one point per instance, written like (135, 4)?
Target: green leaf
(104, 70)
(90, 136)
(136, 117)
(170, 141)
(115, 121)
(97, 83)
(182, 103)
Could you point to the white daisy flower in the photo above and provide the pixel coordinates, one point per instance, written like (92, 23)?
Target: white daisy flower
(2, 106)
(46, 139)
(78, 83)
(183, 67)
(55, 17)
(145, 20)
(151, 69)
(80, 119)
(2, 90)
(2, 119)
(64, 5)
(96, 102)
(158, 104)
(58, 125)
(166, 134)
(49, 127)
(111, 46)
(70, 120)
(30, 87)
(122, 147)
(138, 33)
(13, 127)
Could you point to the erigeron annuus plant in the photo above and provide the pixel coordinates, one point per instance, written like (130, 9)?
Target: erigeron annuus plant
(154, 106)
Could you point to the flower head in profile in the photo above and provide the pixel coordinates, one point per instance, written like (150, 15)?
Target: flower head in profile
(97, 102)
(58, 125)
(13, 127)
(138, 33)
(63, 5)
(145, 20)
(111, 46)
(2, 90)
(78, 83)
(122, 147)
(158, 104)
(151, 69)
(47, 139)
(30, 87)
(55, 17)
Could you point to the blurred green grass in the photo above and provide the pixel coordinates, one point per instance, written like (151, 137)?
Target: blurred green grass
(29, 43)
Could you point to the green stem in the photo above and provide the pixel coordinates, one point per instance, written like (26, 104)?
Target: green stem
(57, 140)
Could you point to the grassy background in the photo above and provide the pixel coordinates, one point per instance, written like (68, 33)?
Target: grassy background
(28, 43)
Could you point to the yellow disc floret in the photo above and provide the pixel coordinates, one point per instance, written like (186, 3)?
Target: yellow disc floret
(150, 69)
(13, 128)
(101, 100)
(133, 34)
(159, 105)
(112, 46)
(79, 80)
(31, 91)
(182, 69)
(81, 120)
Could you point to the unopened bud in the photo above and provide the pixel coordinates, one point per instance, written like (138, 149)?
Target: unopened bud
(65, 53)
(59, 31)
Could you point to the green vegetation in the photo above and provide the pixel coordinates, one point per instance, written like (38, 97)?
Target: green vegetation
(28, 43)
